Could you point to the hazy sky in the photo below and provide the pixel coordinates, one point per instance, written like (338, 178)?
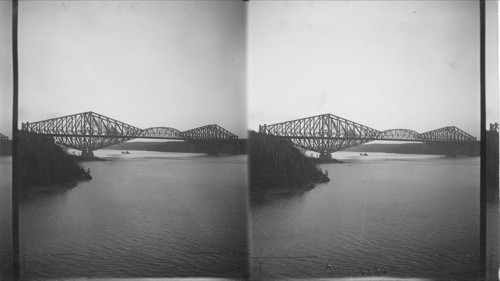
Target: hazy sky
(395, 64)
(5, 68)
(159, 63)
(492, 74)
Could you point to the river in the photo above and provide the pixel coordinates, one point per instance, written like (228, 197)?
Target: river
(380, 215)
(144, 214)
(5, 218)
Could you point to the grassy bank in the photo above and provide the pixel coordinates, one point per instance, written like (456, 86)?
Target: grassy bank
(43, 163)
(276, 167)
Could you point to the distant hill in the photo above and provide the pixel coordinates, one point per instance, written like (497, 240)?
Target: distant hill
(403, 148)
(168, 146)
(237, 147)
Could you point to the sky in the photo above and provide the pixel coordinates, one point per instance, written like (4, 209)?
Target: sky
(146, 63)
(5, 69)
(384, 64)
(184, 64)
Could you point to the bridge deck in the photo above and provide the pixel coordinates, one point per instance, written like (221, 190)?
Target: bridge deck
(89, 131)
(328, 133)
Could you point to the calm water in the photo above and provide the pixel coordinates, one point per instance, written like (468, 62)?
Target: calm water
(147, 214)
(5, 218)
(388, 214)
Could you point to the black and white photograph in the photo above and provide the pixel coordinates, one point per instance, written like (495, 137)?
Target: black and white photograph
(6, 82)
(382, 100)
(131, 117)
(249, 140)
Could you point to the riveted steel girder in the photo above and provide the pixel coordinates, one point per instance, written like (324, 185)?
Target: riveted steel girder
(87, 131)
(450, 133)
(210, 137)
(450, 139)
(208, 132)
(398, 135)
(322, 133)
(328, 133)
(90, 131)
(161, 133)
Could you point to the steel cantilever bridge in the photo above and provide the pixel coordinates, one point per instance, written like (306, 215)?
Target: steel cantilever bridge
(89, 131)
(328, 133)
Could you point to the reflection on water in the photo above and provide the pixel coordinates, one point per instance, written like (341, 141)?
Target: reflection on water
(5, 218)
(144, 214)
(381, 215)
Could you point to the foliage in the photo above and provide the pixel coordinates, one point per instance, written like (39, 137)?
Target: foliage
(42, 162)
(275, 163)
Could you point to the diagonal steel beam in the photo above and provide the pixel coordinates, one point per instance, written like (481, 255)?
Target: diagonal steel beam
(328, 133)
(89, 131)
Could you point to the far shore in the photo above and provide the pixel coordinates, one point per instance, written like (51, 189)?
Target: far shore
(326, 161)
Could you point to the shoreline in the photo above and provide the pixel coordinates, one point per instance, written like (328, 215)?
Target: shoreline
(52, 188)
(80, 159)
(47, 189)
(327, 161)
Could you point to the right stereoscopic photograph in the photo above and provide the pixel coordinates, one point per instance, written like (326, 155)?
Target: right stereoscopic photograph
(364, 148)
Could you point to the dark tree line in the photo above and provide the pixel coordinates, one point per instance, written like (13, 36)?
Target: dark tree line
(275, 163)
(42, 162)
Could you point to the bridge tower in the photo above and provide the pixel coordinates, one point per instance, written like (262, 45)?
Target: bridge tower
(328, 133)
(325, 155)
(89, 131)
(87, 154)
(324, 133)
(451, 140)
(210, 137)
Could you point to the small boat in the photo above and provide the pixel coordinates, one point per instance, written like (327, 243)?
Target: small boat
(363, 154)
(125, 152)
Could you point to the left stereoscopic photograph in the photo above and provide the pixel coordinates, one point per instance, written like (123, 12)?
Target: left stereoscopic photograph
(132, 152)
(5, 142)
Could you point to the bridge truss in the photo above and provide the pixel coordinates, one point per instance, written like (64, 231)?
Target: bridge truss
(210, 137)
(89, 131)
(3, 137)
(328, 133)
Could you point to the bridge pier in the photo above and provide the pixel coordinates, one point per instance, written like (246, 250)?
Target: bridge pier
(325, 155)
(213, 153)
(87, 154)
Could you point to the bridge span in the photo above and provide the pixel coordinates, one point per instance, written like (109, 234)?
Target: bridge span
(328, 133)
(89, 131)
